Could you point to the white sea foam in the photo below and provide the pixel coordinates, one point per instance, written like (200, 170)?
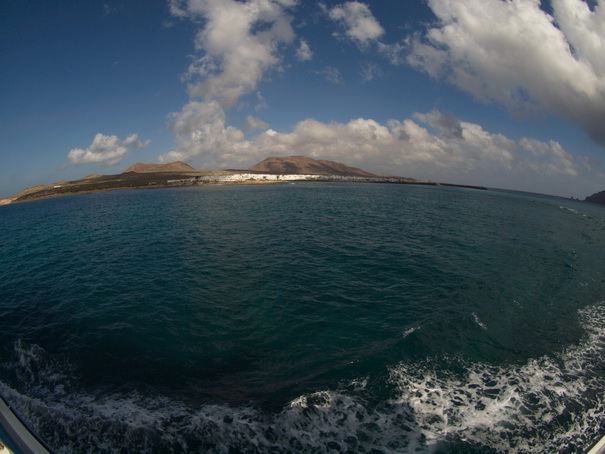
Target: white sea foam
(318, 422)
(532, 407)
(73, 421)
(409, 331)
(569, 209)
(544, 405)
(478, 321)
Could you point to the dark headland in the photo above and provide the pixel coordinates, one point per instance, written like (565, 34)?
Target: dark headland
(271, 170)
(599, 197)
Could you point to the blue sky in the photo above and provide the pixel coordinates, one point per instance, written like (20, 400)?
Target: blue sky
(499, 93)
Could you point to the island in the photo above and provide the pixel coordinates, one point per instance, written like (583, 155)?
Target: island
(599, 198)
(277, 169)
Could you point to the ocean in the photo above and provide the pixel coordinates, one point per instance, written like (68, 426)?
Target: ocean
(308, 317)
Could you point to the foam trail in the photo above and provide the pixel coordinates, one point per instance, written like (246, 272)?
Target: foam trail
(319, 422)
(545, 405)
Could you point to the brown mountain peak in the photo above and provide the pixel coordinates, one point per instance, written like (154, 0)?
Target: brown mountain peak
(177, 166)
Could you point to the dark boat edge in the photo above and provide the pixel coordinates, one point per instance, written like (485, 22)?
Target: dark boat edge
(19, 433)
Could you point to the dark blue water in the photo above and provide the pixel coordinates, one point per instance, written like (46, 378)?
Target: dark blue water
(305, 318)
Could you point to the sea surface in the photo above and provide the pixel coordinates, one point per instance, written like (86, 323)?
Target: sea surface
(308, 317)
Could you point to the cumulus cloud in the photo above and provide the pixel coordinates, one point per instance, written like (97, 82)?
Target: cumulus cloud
(358, 22)
(304, 52)
(429, 145)
(254, 123)
(107, 149)
(515, 53)
(200, 129)
(447, 125)
(239, 42)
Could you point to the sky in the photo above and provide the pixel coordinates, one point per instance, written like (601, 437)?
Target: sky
(499, 93)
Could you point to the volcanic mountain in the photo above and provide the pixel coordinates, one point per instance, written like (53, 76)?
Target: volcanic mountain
(308, 166)
(177, 166)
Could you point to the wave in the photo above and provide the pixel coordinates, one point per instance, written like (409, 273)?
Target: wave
(571, 210)
(548, 404)
(478, 321)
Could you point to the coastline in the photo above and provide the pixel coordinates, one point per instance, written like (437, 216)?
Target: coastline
(154, 180)
(33, 197)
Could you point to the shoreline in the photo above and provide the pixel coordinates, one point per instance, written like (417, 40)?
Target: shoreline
(124, 188)
(154, 180)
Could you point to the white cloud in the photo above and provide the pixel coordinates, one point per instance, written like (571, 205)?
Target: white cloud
(396, 52)
(254, 123)
(359, 23)
(515, 53)
(107, 149)
(239, 43)
(200, 130)
(584, 30)
(370, 71)
(304, 52)
(432, 145)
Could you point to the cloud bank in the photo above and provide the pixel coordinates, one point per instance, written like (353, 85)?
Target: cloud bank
(511, 52)
(239, 42)
(106, 149)
(515, 53)
(431, 144)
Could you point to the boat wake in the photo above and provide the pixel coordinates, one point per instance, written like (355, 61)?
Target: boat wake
(548, 404)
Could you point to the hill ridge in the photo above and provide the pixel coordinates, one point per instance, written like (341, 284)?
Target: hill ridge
(306, 165)
(599, 197)
(176, 166)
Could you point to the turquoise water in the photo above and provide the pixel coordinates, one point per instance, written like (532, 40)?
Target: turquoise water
(308, 317)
